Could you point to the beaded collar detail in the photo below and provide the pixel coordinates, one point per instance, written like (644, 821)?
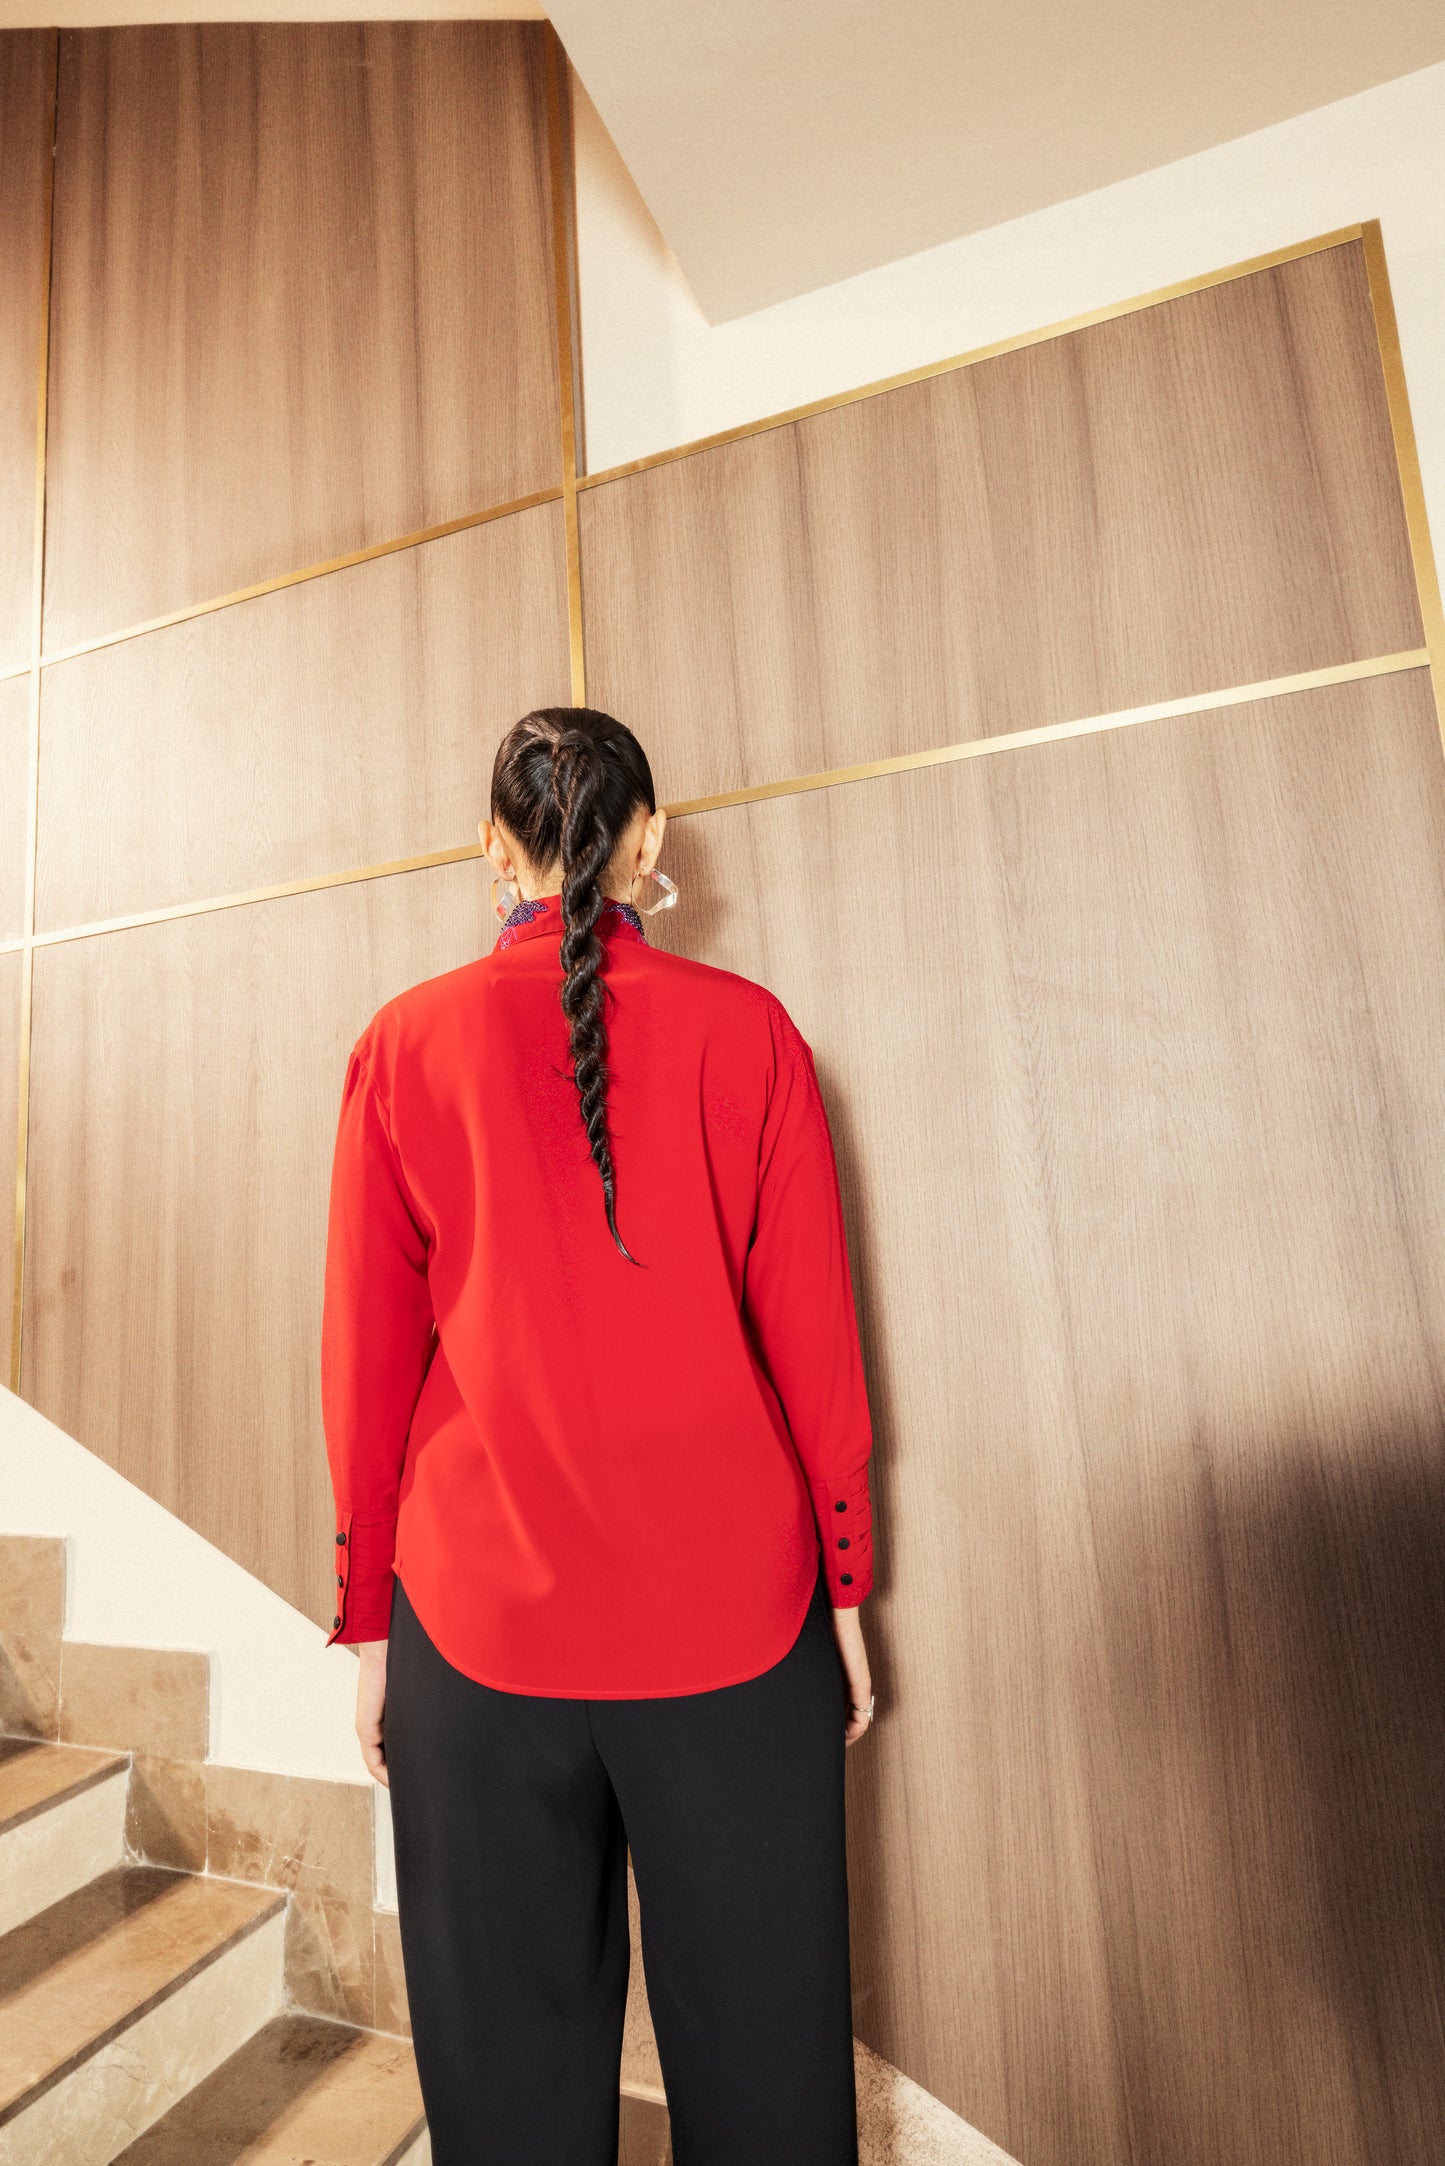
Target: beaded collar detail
(539, 914)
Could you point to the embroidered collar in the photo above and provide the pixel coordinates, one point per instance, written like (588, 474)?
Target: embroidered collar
(540, 914)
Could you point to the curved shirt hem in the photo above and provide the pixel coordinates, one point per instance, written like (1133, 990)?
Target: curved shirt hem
(668, 1692)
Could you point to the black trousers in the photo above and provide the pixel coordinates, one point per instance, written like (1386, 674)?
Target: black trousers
(512, 1816)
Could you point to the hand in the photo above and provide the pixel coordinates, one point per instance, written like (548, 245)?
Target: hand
(848, 1632)
(370, 1703)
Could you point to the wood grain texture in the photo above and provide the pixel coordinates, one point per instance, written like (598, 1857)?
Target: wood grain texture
(346, 721)
(10, 975)
(14, 800)
(186, 1083)
(24, 147)
(302, 301)
(1199, 495)
(1132, 1046)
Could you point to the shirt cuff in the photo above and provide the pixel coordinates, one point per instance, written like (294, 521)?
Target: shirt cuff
(845, 1531)
(363, 1582)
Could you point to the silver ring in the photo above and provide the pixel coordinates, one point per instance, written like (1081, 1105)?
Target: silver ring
(866, 1712)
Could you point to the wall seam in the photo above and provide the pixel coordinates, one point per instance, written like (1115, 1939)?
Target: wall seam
(32, 802)
(1017, 342)
(282, 580)
(1407, 460)
(1190, 703)
(564, 287)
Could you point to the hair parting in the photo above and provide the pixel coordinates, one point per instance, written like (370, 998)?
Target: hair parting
(566, 781)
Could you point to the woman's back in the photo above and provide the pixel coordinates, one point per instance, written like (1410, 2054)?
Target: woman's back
(603, 1478)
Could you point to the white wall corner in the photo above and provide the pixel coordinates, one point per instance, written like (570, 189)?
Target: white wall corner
(138, 1576)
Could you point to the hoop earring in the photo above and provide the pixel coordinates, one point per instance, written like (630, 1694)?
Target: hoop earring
(664, 901)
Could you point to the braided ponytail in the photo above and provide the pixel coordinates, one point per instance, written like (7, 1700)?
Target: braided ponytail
(566, 782)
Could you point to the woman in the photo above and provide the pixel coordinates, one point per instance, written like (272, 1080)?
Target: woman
(598, 1437)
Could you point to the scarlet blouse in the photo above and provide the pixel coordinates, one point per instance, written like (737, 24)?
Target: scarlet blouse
(597, 1479)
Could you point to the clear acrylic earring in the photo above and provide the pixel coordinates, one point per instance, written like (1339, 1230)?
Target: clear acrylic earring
(507, 902)
(508, 886)
(664, 901)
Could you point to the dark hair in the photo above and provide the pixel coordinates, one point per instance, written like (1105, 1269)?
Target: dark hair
(566, 781)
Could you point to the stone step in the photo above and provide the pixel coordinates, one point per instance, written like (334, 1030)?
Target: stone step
(305, 2089)
(62, 1821)
(644, 2138)
(120, 1997)
(302, 2089)
(32, 1615)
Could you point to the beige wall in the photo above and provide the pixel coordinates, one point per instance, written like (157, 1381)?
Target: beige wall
(1126, 1034)
(304, 562)
(659, 374)
(1128, 1026)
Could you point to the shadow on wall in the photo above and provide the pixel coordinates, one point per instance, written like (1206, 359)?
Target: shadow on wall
(1223, 1821)
(1269, 1798)
(1263, 1802)
(1334, 1574)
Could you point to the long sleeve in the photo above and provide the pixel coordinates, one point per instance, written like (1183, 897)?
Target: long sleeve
(376, 1339)
(798, 1295)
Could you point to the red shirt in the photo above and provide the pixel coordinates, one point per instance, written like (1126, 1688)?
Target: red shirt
(597, 1479)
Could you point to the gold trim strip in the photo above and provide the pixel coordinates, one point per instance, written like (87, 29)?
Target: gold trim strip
(1407, 461)
(307, 884)
(32, 802)
(1194, 703)
(1015, 344)
(568, 378)
(1239, 695)
(367, 555)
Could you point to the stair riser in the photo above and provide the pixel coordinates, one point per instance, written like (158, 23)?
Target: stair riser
(90, 2116)
(59, 1848)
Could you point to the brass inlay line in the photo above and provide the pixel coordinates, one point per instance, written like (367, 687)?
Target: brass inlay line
(1407, 461)
(1308, 680)
(1014, 344)
(296, 579)
(563, 289)
(32, 800)
(1381, 665)
(306, 884)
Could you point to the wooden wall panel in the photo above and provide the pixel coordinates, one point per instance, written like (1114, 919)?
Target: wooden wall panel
(346, 721)
(303, 301)
(186, 1083)
(14, 797)
(1132, 1049)
(1199, 495)
(25, 60)
(10, 970)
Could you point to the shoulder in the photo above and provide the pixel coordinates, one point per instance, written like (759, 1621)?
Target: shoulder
(739, 1003)
(748, 1016)
(406, 1022)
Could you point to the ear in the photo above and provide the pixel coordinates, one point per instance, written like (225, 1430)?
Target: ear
(494, 845)
(652, 835)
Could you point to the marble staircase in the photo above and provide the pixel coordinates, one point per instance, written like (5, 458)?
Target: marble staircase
(145, 2013)
(142, 2008)
(155, 2010)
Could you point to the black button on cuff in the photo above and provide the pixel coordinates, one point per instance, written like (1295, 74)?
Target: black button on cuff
(341, 1540)
(335, 1622)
